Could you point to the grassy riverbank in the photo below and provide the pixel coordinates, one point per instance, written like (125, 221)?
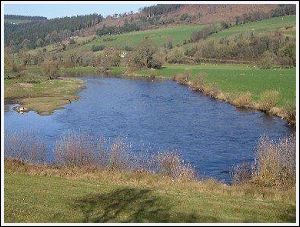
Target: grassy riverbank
(40, 94)
(50, 194)
(236, 79)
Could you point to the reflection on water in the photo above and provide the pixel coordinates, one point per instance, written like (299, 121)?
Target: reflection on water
(158, 116)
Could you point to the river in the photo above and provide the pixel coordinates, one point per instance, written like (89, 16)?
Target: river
(158, 116)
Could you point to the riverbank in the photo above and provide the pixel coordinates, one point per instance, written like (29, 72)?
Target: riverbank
(33, 193)
(40, 94)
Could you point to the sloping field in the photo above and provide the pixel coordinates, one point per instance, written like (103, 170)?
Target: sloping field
(160, 36)
(285, 24)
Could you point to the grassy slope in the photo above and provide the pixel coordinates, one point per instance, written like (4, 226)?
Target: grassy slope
(262, 26)
(80, 196)
(159, 36)
(235, 79)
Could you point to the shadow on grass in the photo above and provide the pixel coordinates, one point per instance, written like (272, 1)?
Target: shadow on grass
(132, 205)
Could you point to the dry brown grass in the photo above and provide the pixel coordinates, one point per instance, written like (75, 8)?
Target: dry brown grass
(243, 100)
(198, 82)
(182, 78)
(211, 90)
(268, 100)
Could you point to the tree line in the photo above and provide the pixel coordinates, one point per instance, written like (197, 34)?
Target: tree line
(41, 33)
(19, 17)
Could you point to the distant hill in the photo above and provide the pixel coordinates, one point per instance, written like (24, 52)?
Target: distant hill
(161, 15)
(42, 32)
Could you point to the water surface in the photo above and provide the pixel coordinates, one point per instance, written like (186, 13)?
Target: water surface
(158, 116)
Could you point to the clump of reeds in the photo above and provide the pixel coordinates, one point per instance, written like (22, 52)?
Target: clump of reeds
(290, 111)
(84, 151)
(25, 146)
(243, 173)
(118, 156)
(268, 100)
(243, 100)
(76, 150)
(275, 164)
(170, 164)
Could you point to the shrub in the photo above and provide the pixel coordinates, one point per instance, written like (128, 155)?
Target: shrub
(190, 51)
(176, 56)
(211, 89)
(144, 56)
(267, 60)
(50, 69)
(274, 166)
(268, 100)
(118, 156)
(97, 48)
(290, 110)
(109, 57)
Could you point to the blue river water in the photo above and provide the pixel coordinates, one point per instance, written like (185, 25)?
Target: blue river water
(158, 116)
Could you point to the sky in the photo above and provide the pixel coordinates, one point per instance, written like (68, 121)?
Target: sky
(62, 10)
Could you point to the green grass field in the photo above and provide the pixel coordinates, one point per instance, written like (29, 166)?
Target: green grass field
(80, 196)
(160, 36)
(263, 26)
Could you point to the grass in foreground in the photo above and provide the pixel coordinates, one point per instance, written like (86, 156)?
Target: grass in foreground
(49, 194)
